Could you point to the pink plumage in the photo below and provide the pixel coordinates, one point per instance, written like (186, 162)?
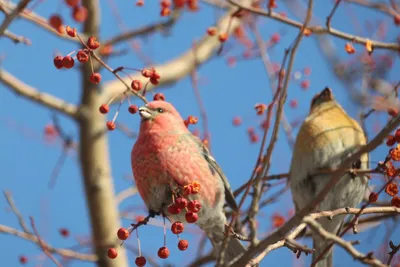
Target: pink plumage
(167, 155)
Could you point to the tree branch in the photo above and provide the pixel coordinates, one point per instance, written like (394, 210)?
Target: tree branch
(33, 94)
(319, 30)
(10, 17)
(364, 258)
(60, 251)
(182, 66)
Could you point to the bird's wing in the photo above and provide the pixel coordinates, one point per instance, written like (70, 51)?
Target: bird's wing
(214, 167)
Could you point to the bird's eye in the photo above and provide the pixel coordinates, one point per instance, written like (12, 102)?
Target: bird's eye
(160, 110)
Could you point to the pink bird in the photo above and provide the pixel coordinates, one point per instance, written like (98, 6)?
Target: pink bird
(167, 155)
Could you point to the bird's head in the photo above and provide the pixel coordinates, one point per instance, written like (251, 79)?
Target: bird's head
(161, 115)
(325, 96)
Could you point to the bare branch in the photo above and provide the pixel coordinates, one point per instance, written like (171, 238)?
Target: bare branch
(364, 258)
(124, 194)
(145, 30)
(182, 66)
(31, 93)
(36, 19)
(10, 17)
(319, 30)
(14, 208)
(63, 252)
(17, 39)
(335, 178)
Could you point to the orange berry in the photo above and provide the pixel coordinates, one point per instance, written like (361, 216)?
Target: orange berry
(392, 189)
(223, 37)
(349, 48)
(71, 31)
(92, 43)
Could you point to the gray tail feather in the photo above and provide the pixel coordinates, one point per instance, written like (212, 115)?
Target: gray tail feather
(326, 261)
(233, 251)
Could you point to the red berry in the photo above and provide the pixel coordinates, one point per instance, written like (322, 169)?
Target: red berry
(79, 13)
(307, 71)
(177, 228)
(194, 206)
(395, 201)
(68, 62)
(191, 217)
(392, 112)
(212, 31)
(254, 138)
(305, 84)
(122, 234)
(165, 3)
(112, 253)
(110, 125)
(136, 85)
(397, 135)
(373, 197)
(159, 96)
(55, 21)
(223, 37)
(181, 203)
(146, 73)
(390, 141)
(64, 232)
(154, 81)
(72, 3)
(163, 252)
(95, 78)
(293, 103)
(179, 3)
(92, 43)
(183, 245)
(82, 56)
(275, 38)
(397, 20)
(71, 31)
(165, 12)
(133, 109)
(104, 109)
(237, 121)
(58, 62)
(173, 209)
(23, 259)
(140, 261)
(140, 3)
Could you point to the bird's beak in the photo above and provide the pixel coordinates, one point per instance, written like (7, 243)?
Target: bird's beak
(145, 113)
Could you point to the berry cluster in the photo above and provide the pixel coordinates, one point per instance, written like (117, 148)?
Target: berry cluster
(78, 12)
(181, 201)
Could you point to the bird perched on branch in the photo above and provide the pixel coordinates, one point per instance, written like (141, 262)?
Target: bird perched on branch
(325, 139)
(166, 159)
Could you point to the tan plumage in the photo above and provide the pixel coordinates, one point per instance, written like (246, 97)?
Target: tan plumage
(327, 136)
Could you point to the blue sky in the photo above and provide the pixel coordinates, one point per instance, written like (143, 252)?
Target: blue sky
(27, 160)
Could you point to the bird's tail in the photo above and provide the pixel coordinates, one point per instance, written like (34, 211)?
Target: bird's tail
(320, 244)
(234, 247)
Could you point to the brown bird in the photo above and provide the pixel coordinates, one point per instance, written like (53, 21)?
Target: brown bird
(326, 138)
